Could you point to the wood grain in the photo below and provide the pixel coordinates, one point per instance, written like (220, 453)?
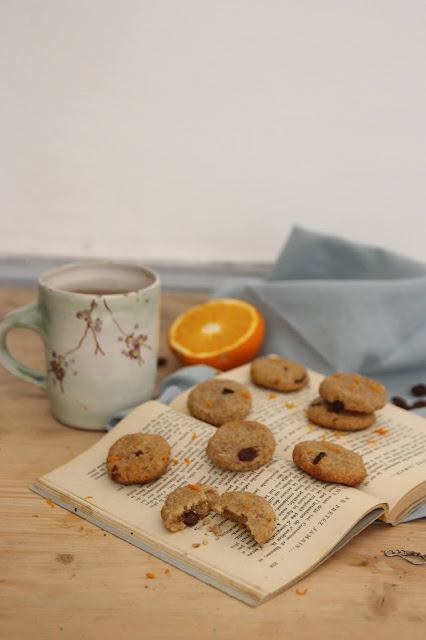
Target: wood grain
(61, 577)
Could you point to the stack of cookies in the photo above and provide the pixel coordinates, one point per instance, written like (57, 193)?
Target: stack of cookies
(347, 402)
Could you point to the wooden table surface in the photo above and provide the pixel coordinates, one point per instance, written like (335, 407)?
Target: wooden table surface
(61, 577)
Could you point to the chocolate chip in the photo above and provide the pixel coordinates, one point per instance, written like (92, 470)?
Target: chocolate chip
(138, 453)
(336, 407)
(190, 518)
(247, 454)
(400, 402)
(227, 390)
(419, 390)
(319, 457)
(300, 379)
(418, 404)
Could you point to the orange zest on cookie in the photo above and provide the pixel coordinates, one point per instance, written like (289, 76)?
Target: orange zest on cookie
(113, 458)
(324, 438)
(375, 387)
(301, 593)
(336, 375)
(247, 394)
(208, 403)
(194, 486)
(333, 448)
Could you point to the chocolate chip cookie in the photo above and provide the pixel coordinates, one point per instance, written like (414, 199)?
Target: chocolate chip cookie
(278, 373)
(218, 401)
(250, 511)
(353, 392)
(241, 445)
(138, 458)
(329, 462)
(185, 506)
(331, 416)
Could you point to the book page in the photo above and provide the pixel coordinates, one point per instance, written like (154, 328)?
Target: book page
(312, 517)
(393, 449)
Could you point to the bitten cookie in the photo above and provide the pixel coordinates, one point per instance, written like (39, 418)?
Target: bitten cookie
(278, 373)
(218, 401)
(241, 446)
(185, 506)
(250, 511)
(329, 462)
(327, 415)
(138, 458)
(353, 392)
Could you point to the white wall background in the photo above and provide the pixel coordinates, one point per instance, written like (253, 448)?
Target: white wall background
(184, 130)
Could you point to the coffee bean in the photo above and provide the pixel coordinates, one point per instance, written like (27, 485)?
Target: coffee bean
(419, 404)
(190, 518)
(419, 390)
(400, 402)
(247, 454)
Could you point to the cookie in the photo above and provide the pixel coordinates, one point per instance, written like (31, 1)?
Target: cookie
(185, 506)
(138, 458)
(328, 415)
(329, 462)
(218, 401)
(250, 511)
(241, 446)
(278, 373)
(353, 392)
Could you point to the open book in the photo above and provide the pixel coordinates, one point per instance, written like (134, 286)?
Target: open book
(314, 518)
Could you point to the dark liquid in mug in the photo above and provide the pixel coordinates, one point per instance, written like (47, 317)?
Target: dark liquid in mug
(98, 291)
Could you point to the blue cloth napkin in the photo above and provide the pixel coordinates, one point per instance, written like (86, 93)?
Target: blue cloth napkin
(335, 306)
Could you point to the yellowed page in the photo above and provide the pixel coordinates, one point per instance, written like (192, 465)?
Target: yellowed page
(393, 449)
(312, 517)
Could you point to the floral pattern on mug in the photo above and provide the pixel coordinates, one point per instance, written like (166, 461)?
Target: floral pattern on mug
(58, 366)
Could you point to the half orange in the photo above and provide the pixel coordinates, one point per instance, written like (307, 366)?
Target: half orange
(223, 333)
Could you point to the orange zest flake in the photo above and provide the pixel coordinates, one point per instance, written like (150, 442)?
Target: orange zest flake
(357, 379)
(310, 427)
(49, 502)
(34, 516)
(333, 448)
(149, 575)
(166, 571)
(272, 395)
(196, 545)
(187, 461)
(81, 528)
(113, 458)
(301, 593)
(371, 441)
(246, 506)
(208, 404)
(375, 387)
(382, 517)
(194, 435)
(339, 434)
(88, 498)
(336, 375)
(324, 438)
(194, 486)
(352, 387)
(289, 405)
(247, 394)
(381, 431)
(175, 460)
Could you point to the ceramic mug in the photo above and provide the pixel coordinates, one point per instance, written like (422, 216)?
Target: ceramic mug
(99, 322)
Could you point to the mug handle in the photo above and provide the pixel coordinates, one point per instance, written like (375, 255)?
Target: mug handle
(28, 317)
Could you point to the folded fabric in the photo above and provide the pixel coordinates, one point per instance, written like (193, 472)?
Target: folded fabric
(339, 306)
